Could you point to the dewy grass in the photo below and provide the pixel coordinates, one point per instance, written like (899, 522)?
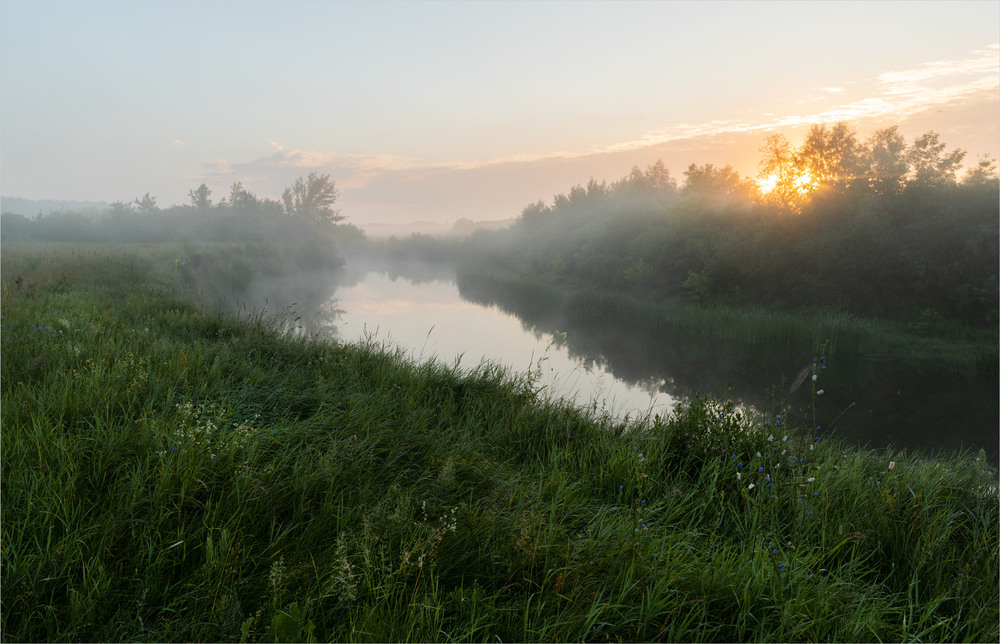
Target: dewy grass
(171, 474)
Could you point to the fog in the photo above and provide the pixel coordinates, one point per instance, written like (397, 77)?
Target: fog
(880, 249)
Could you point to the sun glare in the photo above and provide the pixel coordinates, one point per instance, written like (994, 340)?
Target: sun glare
(802, 184)
(767, 184)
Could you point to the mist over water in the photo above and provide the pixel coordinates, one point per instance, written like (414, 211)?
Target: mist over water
(424, 312)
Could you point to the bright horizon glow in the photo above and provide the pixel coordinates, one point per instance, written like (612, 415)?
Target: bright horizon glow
(436, 111)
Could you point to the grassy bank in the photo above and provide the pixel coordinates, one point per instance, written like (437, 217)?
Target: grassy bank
(171, 474)
(959, 347)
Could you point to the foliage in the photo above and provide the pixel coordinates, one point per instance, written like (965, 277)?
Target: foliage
(871, 228)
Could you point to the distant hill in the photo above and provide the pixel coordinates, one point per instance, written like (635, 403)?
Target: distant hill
(31, 207)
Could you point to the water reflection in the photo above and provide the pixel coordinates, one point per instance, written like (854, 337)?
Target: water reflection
(421, 309)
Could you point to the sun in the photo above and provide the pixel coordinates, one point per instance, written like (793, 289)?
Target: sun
(802, 184)
(767, 184)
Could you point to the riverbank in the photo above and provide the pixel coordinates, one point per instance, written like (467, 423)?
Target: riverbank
(956, 347)
(174, 474)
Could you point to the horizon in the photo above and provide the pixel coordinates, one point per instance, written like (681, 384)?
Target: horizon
(435, 112)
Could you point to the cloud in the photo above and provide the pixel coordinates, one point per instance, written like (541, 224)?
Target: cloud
(177, 143)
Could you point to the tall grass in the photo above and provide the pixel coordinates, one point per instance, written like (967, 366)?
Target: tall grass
(172, 474)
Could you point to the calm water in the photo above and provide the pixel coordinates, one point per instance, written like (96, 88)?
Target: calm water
(425, 313)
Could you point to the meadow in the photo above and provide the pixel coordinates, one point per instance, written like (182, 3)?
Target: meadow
(174, 474)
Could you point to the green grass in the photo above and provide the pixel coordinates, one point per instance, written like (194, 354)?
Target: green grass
(174, 475)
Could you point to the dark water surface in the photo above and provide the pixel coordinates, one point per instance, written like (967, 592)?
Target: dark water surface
(869, 401)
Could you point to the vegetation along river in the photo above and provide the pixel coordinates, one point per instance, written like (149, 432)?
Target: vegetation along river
(427, 314)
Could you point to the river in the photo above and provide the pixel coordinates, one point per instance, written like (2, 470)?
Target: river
(421, 310)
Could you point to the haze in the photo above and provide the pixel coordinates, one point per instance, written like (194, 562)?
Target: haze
(427, 111)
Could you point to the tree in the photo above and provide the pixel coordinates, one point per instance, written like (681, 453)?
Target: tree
(829, 158)
(199, 197)
(885, 161)
(778, 173)
(983, 174)
(929, 165)
(147, 205)
(312, 198)
(119, 209)
(240, 198)
(709, 184)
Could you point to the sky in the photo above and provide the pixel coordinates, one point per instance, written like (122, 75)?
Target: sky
(435, 111)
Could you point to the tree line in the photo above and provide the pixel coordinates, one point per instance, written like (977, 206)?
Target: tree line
(876, 227)
(305, 208)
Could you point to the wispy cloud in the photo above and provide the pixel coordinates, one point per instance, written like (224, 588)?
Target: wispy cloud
(897, 93)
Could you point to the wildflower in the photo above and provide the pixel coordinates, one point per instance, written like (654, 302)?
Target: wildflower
(814, 377)
(823, 367)
(819, 393)
(751, 486)
(815, 493)
(780, 566)
(738, 476)
(643, 501)
(733, 456)
(810, 514)
(774, 552)
(760, 469)
(770, 438)
(621, 487)
(892, 464)
(810, 479)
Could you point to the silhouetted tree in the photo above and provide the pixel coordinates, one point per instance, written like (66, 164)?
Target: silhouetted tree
(715, 186)
(885, 161)
(240, 198)
(312, 198)
(147, 205)
(830, 158)
(929, 165)
(199, 197)
(983, 174)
